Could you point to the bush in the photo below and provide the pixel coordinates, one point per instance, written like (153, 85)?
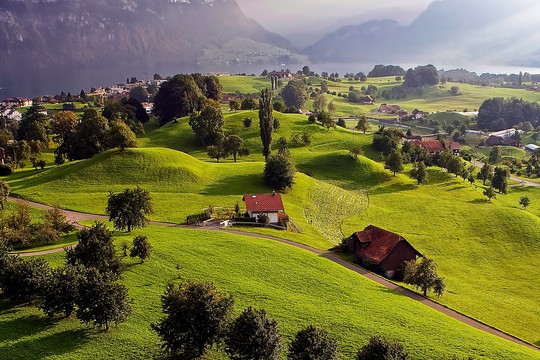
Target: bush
(263, 219)
(197, 218)
(5, 170)
(247, 122)
(380, 348)
(341, 123)
(313, 343)
(312, 119)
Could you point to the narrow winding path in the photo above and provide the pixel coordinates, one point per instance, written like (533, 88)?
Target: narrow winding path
(76, 217)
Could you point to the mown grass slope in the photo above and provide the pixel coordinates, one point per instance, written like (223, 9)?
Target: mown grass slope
(297, 288)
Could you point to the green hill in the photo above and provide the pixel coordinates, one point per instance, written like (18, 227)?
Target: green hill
(297, 288)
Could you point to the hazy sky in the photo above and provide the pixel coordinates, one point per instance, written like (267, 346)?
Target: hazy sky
(284, 16)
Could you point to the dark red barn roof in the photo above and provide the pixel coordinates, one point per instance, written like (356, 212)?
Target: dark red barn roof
(378, 243)
(263, 202)
(432, 146)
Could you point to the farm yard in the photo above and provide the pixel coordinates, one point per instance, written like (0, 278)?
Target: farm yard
(487, 251)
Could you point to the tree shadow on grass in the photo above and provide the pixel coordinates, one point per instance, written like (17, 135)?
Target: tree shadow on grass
(23, 326)
(52, 345)
(394, 188)
(237, 185)
(479, 201)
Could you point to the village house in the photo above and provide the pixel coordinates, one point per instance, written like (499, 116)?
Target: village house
(437, 147)
(418, 114)
(16, 102)
(368, 100)
(381, 248)
(389, 109)
(11, 114)
(270, 205)
(283, 74)
(503, 138)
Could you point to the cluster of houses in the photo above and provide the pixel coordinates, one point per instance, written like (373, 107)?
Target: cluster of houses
(8, 108)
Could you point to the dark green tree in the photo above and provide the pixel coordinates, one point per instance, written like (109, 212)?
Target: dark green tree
(423, 275)
(419, 172)
(313, 343)
(253, 336)
(266, 122)
(91, 136)
(22, 280)
(495, 155)
(177, 97)
(500, 180)
(121, 136)
(130, 208)
(196, 317)
(95, 249)
(379, 348)
(279, 172)
(247, 122)
(139, 93)
(208, 125)
(486, 173)
(217, 151)
(35, 126)
(234, 145)
(394, 162)
(490, 193)
(524, 201)
(363, 124)
(61, 292)
(326, 120)
(294, 94)
(141, 248)
(101, 300)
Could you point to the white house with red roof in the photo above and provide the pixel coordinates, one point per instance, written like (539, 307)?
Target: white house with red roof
(270, 205)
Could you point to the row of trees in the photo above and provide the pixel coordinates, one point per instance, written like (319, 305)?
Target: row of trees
(198, 316)
(183, 95)
(18, 229)
(91, 135)
(499, 114)
(86, 286)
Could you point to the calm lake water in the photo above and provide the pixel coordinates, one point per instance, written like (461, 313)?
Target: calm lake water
(53, 81)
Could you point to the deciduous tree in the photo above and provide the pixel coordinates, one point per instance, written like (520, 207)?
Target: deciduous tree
(141, 248)
(486, 173)
(423, 275)
(363, 124)
(313, 343)
(61, 291)
(394, 162)
(419, 172)
(279, 172)
(196, 316)
(208, 125)
(500, 179)
(524, 201)
(380, 348)
(490, 193)
(130, 208)
(253, 336)
(121, 136)
(234, 145)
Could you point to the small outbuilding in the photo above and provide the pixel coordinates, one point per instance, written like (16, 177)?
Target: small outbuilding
(270, 205)
(382, 249)
(532, 147)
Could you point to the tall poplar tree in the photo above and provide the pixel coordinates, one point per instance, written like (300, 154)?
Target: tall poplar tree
(266, 121)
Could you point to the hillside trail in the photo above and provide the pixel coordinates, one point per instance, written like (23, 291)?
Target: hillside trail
(75, 217)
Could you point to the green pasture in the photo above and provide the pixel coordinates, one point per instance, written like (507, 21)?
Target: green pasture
(296, 288)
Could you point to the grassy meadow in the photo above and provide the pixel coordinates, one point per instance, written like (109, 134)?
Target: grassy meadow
(297, 288)
(486, 251)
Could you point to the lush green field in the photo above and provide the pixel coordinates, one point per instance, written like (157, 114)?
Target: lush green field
(446, 219)
(244, 84)
(297, 288)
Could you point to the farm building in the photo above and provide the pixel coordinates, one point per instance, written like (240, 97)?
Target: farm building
(436, 146)
(2, 155)
(368, 100)
(532, 147)
(270, 205)
(382, 248)
(389, 109)
(503, 138)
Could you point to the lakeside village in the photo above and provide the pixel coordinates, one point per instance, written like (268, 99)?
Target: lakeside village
(426, 135)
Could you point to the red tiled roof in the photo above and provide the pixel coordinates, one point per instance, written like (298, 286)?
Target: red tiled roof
(381, 242)
(455, 146)
(263, 202)
(432, 146)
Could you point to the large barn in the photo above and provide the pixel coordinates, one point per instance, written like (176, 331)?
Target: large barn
(382, 248)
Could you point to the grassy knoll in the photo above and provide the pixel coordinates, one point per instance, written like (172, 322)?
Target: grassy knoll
(487, 251)
(244, 84)
(296, 288)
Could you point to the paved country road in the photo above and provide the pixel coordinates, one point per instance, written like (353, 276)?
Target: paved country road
(76, 217)
(523, 182)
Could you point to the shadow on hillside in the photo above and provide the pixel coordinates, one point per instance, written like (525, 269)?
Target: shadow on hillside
(23, 326)
(394, 188)
(52, 345)
(479, 201)
(237, 185)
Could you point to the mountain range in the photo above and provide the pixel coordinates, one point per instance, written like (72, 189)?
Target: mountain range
(492, 32)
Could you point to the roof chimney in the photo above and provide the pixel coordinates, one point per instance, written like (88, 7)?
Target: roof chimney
(273, 193)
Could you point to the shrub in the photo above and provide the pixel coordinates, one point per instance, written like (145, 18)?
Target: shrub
(383, 349)
(313, 343)
(279, 172)
(263, 219)
(5, 170)
(247, 122)
(312, 119)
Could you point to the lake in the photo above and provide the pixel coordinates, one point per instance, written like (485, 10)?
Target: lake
(53, 81)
